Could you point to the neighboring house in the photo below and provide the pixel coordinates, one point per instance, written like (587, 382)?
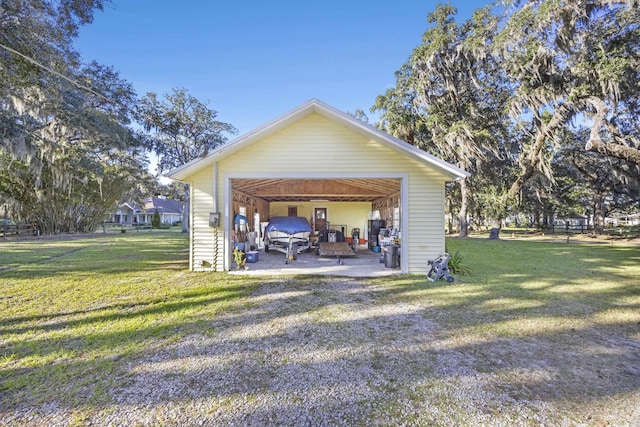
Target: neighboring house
(573, 223)
(131, 213)
(623, 220)
(124, 214)
(318, 162)
(170, 210)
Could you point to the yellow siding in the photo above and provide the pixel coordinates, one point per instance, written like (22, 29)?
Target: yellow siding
(318, 144)
(204, 243)
(315, 144)
(351, 214)
(425, 234)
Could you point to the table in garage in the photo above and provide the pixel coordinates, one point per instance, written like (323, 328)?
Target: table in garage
(337, 249)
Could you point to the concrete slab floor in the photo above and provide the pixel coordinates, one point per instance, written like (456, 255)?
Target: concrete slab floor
(365, 263)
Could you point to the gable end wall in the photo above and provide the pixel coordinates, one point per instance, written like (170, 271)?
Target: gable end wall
(318, 147)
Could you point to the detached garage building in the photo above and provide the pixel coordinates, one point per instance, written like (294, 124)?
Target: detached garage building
(322, 164)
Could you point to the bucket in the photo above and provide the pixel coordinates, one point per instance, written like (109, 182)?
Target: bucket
(252, 256)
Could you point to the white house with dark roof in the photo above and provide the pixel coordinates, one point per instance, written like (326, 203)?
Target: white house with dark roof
(170, 210)
(123, 215)
(132, 213)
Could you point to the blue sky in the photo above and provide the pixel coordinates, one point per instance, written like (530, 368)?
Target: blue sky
(254, 60)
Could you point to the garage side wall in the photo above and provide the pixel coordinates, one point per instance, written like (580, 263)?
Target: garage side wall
(426, 222)
(318, 147)
(207, 243)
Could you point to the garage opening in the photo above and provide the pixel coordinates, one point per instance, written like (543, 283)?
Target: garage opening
(363, 214)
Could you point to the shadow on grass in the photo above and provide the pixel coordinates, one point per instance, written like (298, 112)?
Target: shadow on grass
(121, 312)
(103, 255)
(530, 329)
(385, 353)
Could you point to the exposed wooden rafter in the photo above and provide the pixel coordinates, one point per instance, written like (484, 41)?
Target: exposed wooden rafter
(342, 189)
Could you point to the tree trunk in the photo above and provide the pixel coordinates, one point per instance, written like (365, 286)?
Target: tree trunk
(547, 220)
(599, 214)
(464, 208)
(448, 216)
(185, 212)
(612, 149)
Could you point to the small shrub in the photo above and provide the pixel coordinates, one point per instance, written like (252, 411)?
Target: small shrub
(165, 226)
(155, 219)
(456, 265)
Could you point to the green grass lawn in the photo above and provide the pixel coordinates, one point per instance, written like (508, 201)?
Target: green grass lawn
(520, 288)
(72, 309)
(74, 313)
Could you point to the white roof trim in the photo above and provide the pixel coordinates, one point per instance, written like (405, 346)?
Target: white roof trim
(331, 113)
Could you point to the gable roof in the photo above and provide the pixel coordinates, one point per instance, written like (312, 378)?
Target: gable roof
(163, 205)
(310, 107)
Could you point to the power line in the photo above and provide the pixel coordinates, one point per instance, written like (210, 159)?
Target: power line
(38, 64)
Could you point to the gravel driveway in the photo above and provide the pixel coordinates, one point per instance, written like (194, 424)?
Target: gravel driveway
(340, 352)
(310, 355)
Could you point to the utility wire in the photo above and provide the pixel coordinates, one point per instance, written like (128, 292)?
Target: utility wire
(38, 64)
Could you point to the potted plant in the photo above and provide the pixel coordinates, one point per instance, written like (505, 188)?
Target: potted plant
(240, 258)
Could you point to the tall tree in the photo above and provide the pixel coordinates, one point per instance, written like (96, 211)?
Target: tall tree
(66, 146)
(400, 115)
(450, 92)
(183, 129)
(573, 60)
(37, 64)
